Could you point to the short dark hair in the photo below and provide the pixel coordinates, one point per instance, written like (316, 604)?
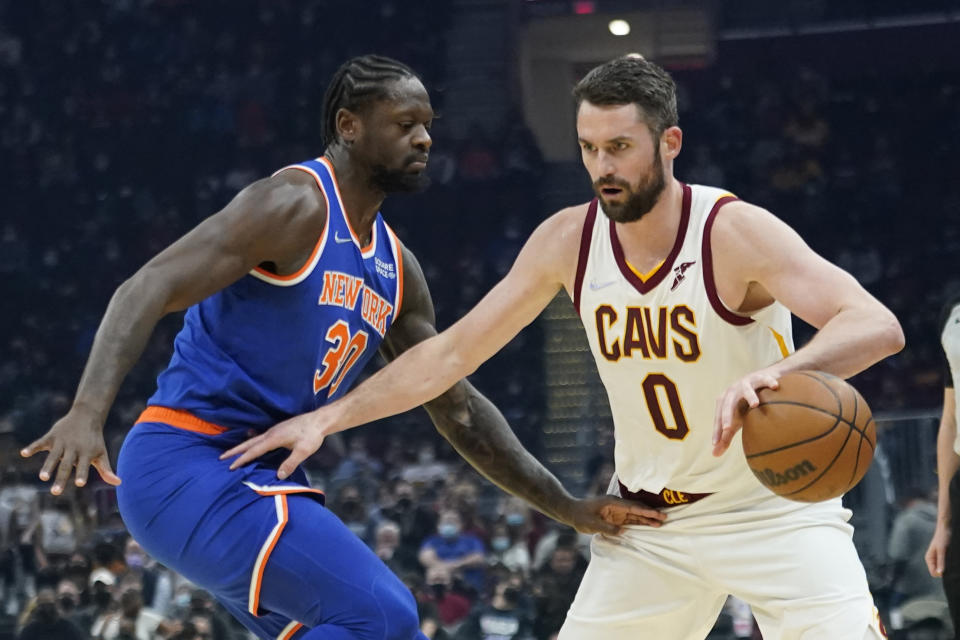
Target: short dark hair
(632, 80)
(357, 83)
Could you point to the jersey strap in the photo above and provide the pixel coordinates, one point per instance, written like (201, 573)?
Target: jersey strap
(586, 237)
(708, 278)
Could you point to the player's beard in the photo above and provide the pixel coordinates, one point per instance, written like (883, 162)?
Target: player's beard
(640, 200)
(399, 180)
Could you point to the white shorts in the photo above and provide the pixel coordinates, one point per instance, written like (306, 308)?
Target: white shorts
(794, 564)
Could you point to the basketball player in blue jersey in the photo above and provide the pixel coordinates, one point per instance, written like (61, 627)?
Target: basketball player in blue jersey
(289, 291)
(685, 293)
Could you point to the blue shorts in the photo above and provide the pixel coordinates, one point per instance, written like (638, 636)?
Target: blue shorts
(269, 551)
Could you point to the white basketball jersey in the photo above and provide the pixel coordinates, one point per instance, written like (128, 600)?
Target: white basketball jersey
(666, 348)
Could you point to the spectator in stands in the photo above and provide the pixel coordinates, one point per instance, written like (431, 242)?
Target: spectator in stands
(358, 468)
(203, 607)
(925, 620)
(508, 548)
(463, 496)
(427, 469)
(144, 621)
(68, 604)
(452, 606)
(430, 624)
(103, 603)
(349, 505)
(45, 622)
(156, 581)
(911, 532)
(502, 619)
(455, 551)
(554, 588)
(401, 559)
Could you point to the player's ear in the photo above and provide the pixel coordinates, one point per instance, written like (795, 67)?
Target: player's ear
(671, 140)
(348, 125)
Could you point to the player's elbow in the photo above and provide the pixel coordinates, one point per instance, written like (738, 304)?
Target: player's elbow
(452, 360)
(890, 336)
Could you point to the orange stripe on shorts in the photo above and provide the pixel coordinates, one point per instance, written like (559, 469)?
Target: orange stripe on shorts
(181, 420)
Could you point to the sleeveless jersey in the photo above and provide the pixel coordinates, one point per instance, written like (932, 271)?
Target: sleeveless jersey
(666, 348)
(269, 347)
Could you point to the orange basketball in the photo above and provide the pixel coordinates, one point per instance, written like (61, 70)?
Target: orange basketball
(810, 440)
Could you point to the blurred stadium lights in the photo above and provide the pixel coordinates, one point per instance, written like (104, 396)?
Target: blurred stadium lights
(619, 27)
(584, 7)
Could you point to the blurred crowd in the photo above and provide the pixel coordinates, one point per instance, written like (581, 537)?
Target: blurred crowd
(125, 126)
(480, 564)
(837, 151)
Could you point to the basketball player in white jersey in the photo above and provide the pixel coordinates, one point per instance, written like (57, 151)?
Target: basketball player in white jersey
(685, 293)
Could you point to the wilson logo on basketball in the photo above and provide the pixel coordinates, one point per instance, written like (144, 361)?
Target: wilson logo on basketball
(772, 478)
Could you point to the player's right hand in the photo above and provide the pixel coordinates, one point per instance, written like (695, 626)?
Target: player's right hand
(609, 514)
(937, 551)
(299, 434)
(74, 441)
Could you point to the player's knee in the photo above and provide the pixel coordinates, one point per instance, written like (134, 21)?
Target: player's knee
(398, 609)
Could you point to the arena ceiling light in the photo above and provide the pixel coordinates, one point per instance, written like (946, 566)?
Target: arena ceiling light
(619, 27)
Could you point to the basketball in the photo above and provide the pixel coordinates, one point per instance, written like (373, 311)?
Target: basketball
(810, 440)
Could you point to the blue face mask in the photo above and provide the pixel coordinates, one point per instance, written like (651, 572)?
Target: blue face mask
(448, 530)
(516, 519)
(500, 543)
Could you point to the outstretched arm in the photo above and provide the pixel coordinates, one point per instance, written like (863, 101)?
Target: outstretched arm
(431, 373)
(477, 429)
(265, 222)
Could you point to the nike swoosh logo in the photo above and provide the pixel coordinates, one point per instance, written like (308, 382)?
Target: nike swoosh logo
(594, 285)
(339, 240)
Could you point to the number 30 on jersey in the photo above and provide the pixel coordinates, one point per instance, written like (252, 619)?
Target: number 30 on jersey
(340, 357)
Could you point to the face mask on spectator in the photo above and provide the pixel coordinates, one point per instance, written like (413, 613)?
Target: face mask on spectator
(500, 543)
(46, 612)
(134, 560)
(182, 600)
(516, 519)
(448, 530)
(102, 599)
(67, 603)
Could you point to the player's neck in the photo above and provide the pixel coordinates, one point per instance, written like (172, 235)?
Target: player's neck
(654, 233)
(361, 201)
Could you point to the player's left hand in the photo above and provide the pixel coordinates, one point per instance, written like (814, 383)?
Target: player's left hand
(609, 514)
(299, 434)
(735, 401)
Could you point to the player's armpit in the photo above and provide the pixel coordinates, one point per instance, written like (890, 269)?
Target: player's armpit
(752, 247)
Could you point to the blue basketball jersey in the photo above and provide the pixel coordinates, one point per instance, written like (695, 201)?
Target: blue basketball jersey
(269, 347)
